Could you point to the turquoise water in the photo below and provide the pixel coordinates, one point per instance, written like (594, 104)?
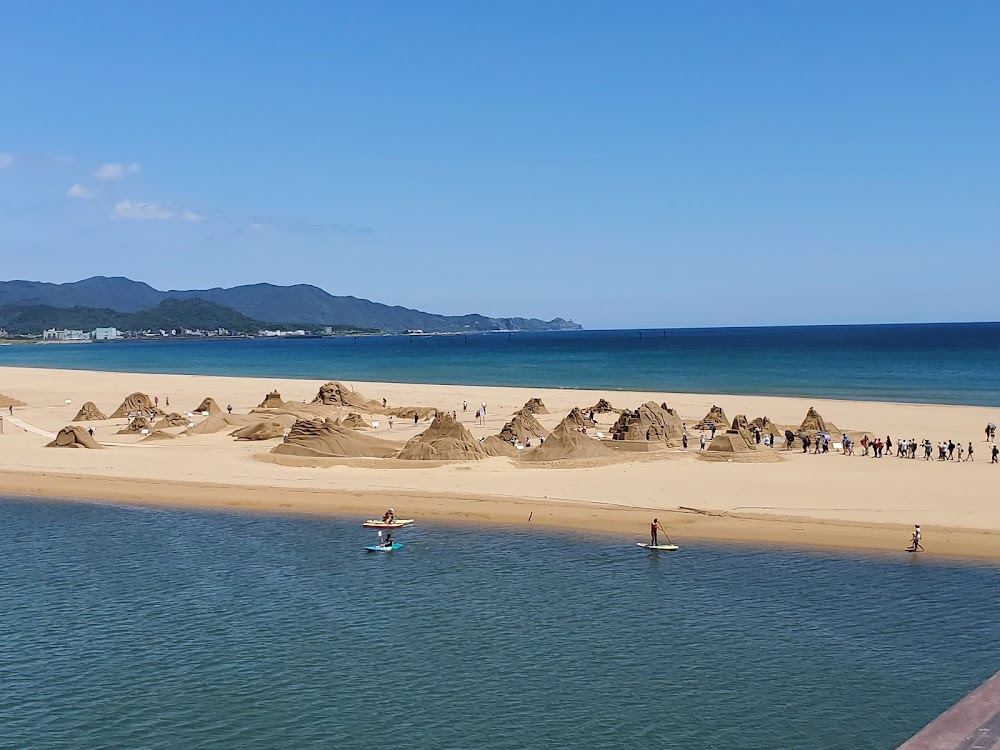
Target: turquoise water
(946, 363)
(145, 628)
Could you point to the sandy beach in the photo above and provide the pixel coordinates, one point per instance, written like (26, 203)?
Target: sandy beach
(827, 501)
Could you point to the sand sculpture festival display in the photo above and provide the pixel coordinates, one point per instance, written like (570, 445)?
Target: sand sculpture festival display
(208, 404)
(136, 403)
(716, 416)
(767, 427)
(496, 446)
(522, 427)
(445, 440)
(603, 406)
(268, 429)
(74, 436)
(136, 424)
(337, 394)
(271, 401)
(814, 423)
(327, 439)
(89, 413)
(566, 442)
(7, 401)
(651, 422)
(355, 421)
(737, 445)
(172, 420)
(578, 419)
(535, 406)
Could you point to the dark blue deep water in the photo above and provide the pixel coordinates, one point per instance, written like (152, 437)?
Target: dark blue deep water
(944, 363)
(146, 628)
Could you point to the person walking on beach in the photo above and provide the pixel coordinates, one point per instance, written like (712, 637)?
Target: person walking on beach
(915, 540)
(951, 449)
(10, 408)
(970, 451)
(168, 400)
(465, 406)
(702, 441)
(156, 401)
(995, 453)
(390, 421)
(684, 440)
(961, 450)
(416, 418)
(653, 528)
(229, 408)
(711, 426)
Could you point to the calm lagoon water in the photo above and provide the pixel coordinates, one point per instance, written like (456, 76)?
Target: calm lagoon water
(133, 627)
(943, 363)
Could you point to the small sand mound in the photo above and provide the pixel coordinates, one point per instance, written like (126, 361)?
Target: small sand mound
(715, 417)
(208, 405)
(6, 401)
(135, 403)
(535, 406)
(495, 446)
(74, 436)
(603, 406)
(355, 421)
(266, 430)
(521, 427)
(445, 440)
(651, 422)
(567, 442)
(89, 413)
(138, 424)
(326, 438)
(172, 420)
(157, 435)
(272, 401)
(578, 419)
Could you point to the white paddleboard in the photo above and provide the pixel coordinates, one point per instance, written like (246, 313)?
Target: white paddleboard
(659, 547)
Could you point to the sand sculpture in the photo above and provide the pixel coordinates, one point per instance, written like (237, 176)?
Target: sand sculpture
(220, 421)
(89, 413)
(134, 404)
(766, 427)
(208, 405)
(715, 417)
(325, 438)
(265, 430)
(6, 401)
(567, 442)
(735, 446)
(522, 427)
(172, 420)
(578, 419)
(603, 406)
(355, 421)
(339, 395)
(742, 425)
(495, 446)
(74, 436)
(156, 436)
(445, 440)
(650, 422)
(814, 422)
(136, 424)
(272, 401)
(535, 406)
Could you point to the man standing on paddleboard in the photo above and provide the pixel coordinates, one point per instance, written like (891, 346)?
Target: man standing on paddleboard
(653, 528)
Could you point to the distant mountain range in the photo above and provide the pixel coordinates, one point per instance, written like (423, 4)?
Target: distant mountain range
(244, 307)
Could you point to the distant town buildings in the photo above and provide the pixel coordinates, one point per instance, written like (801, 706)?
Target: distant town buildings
(53, 334)
(105, 334)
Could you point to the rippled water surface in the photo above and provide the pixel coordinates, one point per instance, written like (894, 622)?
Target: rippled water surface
(139, 628)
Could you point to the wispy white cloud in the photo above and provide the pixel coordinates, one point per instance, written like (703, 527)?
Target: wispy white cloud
(154, 211)
(6, 160)
(258, 226)
(79, 191)
(115, 171)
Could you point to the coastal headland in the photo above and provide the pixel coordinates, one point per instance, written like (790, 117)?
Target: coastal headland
(338, 455)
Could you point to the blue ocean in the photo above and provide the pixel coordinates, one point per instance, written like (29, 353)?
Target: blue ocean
(941, 363)
(130, 627)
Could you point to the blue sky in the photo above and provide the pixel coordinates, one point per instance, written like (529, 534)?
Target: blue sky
(623, 164)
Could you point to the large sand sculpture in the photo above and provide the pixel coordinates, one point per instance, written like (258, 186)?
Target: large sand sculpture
(603, 406)
(268, 429)
(6, 401)
(578, 419)
(355, 421)
(736, 445)
(89, 413)
(535, 406)
(814, 422)
(651, 422)
(272, 401)
(325, 438)
(337, 394)
(767, 427)
(567, 442)
(495, 446)
(522, 427)
(74, 436)
(172, 420)
(716, 416)
(445, 440)
(134, 404)
(208, 404)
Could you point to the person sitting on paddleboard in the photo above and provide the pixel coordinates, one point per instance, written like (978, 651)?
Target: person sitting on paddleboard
(389, 516)
(653, 528)
(388, 540)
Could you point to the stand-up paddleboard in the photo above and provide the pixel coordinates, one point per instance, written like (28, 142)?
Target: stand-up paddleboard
(659, 547)
(380, 548)
(398, 523)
